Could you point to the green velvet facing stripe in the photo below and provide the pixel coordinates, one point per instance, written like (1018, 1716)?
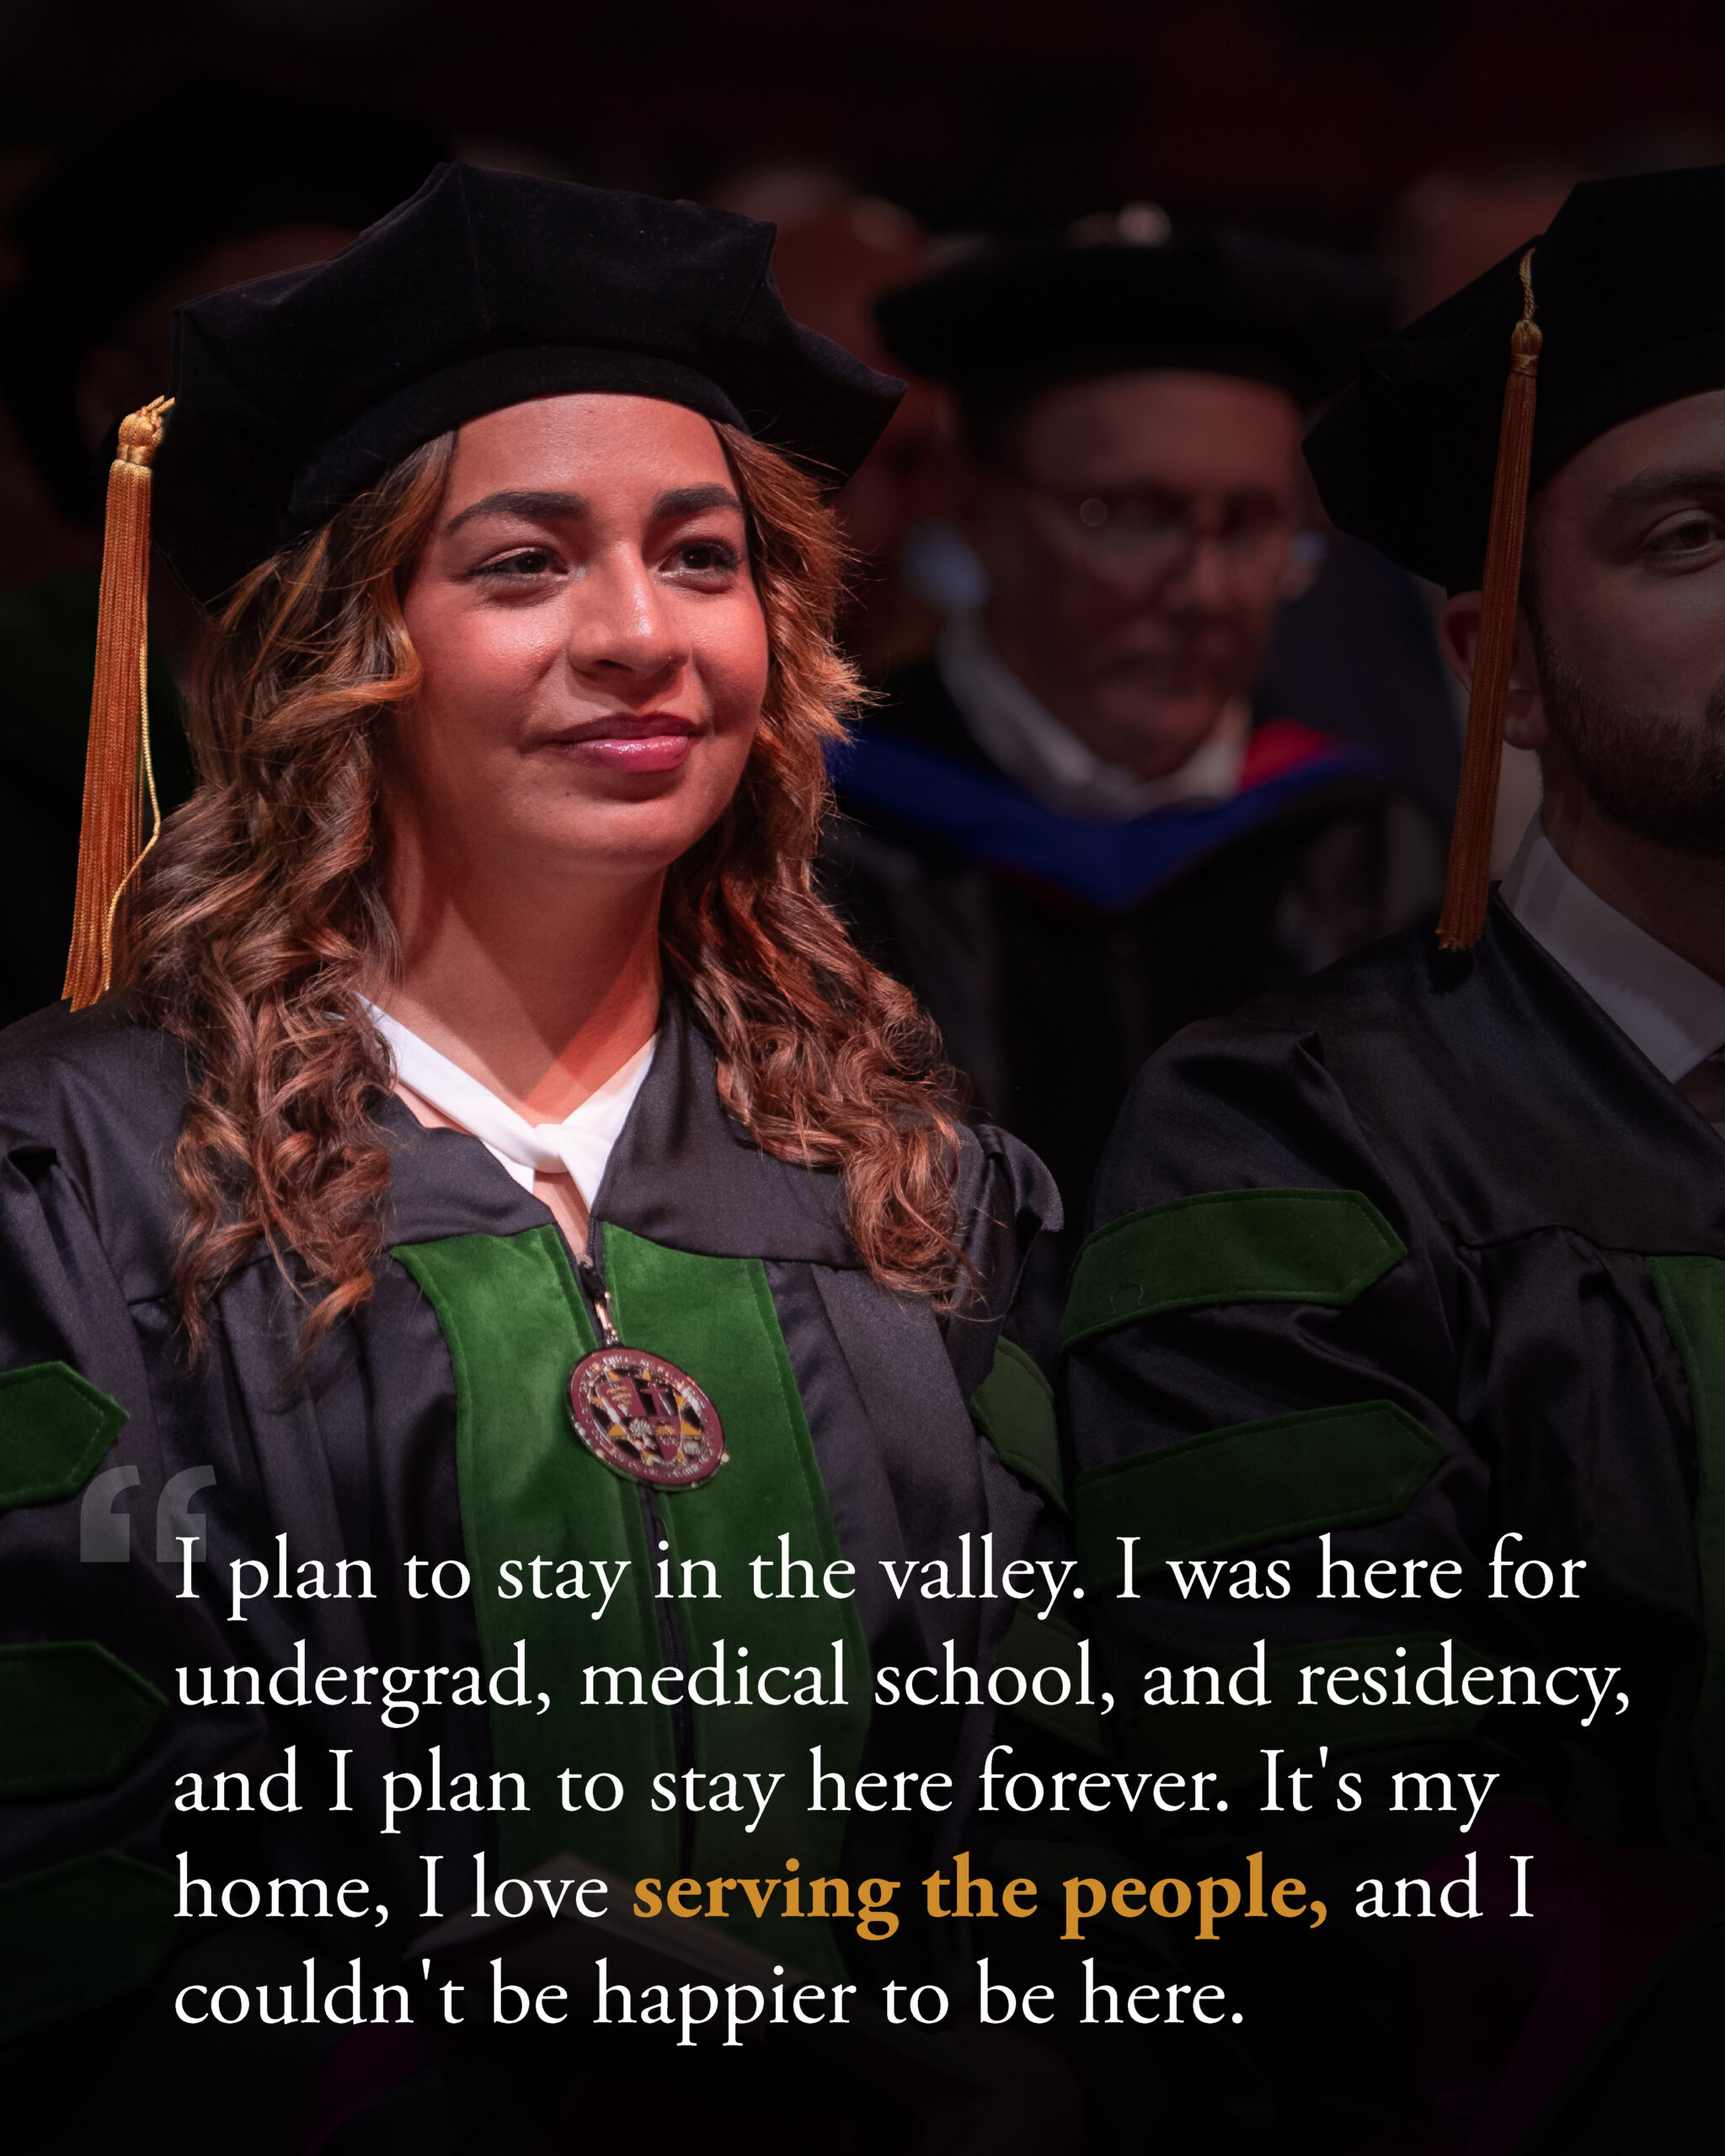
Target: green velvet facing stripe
(1014, 1409)
(72, 1717)
(79, 1936)
(1250, 1483)
(714, 1317)
(54, 1429)
(1692, 1293)
(1229, 1246)
(1229, 1740)
(516, 1326)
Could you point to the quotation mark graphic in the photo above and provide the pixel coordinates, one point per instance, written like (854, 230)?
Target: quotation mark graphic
(104, 1536)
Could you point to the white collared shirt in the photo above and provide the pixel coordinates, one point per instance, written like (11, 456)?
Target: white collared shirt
(1024, 739)
(578, 1147)
(1673, 1011)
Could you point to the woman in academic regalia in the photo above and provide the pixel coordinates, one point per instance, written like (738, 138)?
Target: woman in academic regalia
(489, 1203)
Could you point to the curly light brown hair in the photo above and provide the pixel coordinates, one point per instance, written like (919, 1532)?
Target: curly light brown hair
(259, 924)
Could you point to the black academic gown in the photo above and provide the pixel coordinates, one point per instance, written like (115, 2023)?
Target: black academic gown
(1055, 955)
(1419, 1255)
(436, 1428)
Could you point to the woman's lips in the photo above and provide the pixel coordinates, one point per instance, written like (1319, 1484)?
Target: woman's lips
(656, 741)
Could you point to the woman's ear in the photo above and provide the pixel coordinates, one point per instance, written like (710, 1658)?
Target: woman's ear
(1524, 722)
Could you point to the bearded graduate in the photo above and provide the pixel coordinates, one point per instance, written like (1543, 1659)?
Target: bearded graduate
(1421, 1268)
(479, 1145)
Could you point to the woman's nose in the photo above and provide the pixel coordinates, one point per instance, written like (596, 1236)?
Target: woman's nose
(621, 620)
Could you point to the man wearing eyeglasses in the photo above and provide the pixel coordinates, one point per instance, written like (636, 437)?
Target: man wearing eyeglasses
(1071, 831)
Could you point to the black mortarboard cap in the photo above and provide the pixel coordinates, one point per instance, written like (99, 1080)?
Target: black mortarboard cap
(1631, 284)
(205, 160)
(1124, 294)
(296, 392)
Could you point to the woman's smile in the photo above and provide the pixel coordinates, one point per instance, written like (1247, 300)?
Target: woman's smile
(649, 742)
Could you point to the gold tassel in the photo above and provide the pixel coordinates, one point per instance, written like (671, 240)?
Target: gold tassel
(1467, 887)
(109, 850)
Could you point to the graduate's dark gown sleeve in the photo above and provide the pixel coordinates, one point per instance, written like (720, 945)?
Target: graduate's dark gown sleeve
(1336, 1285)
(83, 1475)
(1256, 1114)
(114, 1446)
(90, 1736)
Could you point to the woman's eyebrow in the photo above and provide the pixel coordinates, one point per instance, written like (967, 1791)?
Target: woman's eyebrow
(542, 506)
(690, 501)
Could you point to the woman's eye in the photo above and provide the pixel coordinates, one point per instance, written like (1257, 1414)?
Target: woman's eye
(523, 562)
(707, 558)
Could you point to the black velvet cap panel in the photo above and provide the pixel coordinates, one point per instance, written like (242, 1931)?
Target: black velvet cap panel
(1001, 324)
(295, 393)
(1629, 283)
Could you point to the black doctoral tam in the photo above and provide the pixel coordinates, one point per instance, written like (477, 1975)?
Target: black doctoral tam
(294, 392)
(1630, 292)
(1120, 294)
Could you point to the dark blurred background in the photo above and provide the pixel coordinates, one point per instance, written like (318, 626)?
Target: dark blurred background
(1320, 118)
(1315, 114)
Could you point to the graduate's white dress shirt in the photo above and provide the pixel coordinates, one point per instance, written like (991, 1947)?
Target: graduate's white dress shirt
(1024, 739)
(1673, 1011)
(578, 1147)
